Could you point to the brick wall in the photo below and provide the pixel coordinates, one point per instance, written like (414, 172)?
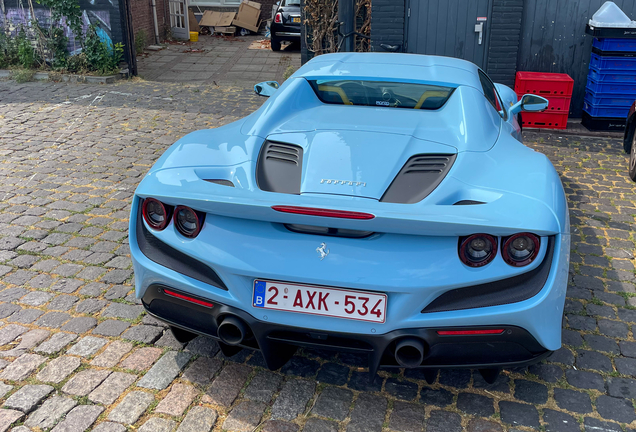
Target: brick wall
(387, 23)
(141, 11)
(505, 33)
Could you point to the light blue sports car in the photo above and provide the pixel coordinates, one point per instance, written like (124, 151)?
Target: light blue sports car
(379, 204)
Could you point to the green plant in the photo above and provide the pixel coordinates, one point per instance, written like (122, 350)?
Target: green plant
(22, 75)
(141, 39)
(57, 45)
(67, 9)
(288, 72)
(77, 63)
(101, 56)
(8, 49)
(27, 57)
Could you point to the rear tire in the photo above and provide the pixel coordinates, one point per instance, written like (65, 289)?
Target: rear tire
(632, 157)
(275, 44)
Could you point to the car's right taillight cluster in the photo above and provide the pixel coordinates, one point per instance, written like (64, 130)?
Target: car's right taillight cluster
(278, 19)
(158, 215)
(517, 250)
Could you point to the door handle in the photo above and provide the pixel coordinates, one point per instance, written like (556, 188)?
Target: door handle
(479, 28)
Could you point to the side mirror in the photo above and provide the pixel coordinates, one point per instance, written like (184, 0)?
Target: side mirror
(530, 103)
(266, 88)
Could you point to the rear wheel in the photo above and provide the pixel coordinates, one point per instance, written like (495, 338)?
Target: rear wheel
(632, 157)
(275, 44)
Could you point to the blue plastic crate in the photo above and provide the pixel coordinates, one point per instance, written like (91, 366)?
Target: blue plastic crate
(612, 75)
(609, 44)
(613, 63)
(608, 99)
(604, 111)
(611, 87)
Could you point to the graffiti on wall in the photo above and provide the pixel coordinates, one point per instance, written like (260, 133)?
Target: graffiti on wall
(103, 14)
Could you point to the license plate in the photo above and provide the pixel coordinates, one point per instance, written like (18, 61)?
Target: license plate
(318, 300)
(296, 19)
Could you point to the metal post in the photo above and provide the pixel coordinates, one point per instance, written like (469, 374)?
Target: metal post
(347, 16)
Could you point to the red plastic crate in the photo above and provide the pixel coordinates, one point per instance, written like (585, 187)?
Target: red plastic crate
(544, 120)
(557, 104)
(544, 84)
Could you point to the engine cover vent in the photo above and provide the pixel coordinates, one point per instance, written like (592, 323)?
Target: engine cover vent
(418, 177)
(279, 167)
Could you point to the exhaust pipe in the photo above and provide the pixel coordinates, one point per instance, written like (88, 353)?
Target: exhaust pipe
(409, 352)
(232, 330)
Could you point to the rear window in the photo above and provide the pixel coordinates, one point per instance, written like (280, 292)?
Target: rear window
(381, 93)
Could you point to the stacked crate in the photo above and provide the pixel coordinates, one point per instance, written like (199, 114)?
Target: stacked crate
(611, 83)
(556, 88)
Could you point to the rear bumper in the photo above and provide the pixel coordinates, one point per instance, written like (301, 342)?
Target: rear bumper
(515, 347)
(286, 32)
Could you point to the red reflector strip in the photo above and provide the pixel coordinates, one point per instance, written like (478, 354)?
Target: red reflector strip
(187, 298)
(469, 332)
(342, 214)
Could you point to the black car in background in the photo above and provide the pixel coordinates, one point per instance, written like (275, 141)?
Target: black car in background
(629, 141)
(286, 23)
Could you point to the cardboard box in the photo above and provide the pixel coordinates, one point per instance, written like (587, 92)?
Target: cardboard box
(248, 16)
(217, 19)
(225, 30)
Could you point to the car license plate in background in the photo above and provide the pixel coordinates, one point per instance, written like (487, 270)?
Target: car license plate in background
(296, 19)
(318, 300)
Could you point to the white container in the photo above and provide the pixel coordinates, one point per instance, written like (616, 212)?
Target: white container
(610, 15)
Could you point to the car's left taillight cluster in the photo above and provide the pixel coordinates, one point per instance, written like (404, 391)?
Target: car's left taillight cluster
(517, 250)
(158, 215)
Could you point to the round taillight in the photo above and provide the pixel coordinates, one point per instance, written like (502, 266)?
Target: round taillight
(187, 221)
(520, 249)
(155, 213)
(278, 19)
(477, 250)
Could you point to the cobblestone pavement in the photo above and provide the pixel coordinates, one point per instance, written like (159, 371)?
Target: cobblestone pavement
(77, 351)
(219, 60)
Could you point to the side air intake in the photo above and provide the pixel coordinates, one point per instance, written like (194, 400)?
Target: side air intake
(279, 167)
(418, 177)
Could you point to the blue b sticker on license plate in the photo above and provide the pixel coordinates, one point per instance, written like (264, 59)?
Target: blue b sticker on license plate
(259, 293)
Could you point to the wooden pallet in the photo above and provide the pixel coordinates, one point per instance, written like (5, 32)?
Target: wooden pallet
(227, 31)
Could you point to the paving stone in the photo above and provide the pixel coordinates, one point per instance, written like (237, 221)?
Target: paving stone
(143, 333)
(593, 360)
(141, 359)
(80, 325)
(519, 414)
(112, 354)
(117, 292)
(165, 370)
(93, 289)
(36, 298)
(87, 346)
(131, 407)
(79, 419)
(560, 422)
(53, 319)
(157, 424)
(613, 328)
(618, 409)
(111, 328)
(4, 389)
(227, 385)
(12, 294)
(405, 390)
(585, 380)
(625, 366)
(10, 332)
(621, 387)
(300, 366)
(28, 397)
(58, 369)
(245, 416)
(530, 391)
(198, 419)
(602, 343)
(62, 302)
(546, 372)
(368, 414)
(178, 400)
(119, 310)
(407, 417)
(27, 341)
(66, 286)
(562, 355)
(359, 381)
(444, 421)
(320, 425)
(8, 417)
(475, 404)
(22, 367)
(25, 316)
(279, 426)
(109, 427)
(201, 371)
(116, 276)
(203, 346)
(481, 425)
(333, 373)
(8, 309)
(572, 400)
(458, 378)
(437, 397)
(90, 306)
(47, 415)
(293, 399)
(56, 343)
(85, 382)
(112, 387)
(333, 403)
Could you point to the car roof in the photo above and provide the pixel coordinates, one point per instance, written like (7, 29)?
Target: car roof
(392, 66)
